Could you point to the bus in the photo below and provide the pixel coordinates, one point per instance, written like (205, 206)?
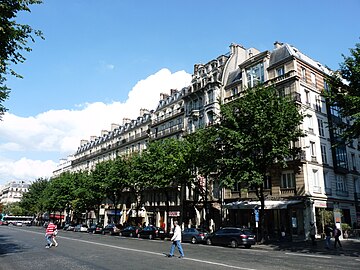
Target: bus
(16, 220)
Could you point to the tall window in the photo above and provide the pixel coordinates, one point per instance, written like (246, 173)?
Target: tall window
(303, 74)
(313, 79)
(323, 154)
(288, 180)
(318, 103)
(312, 149)
(317, 187)
(340, 183)
(341, 158)
(353, 161)
(321, 127)
(327, 183)
(255, 75)
(280, 71)
(311, 124)
(307, 97)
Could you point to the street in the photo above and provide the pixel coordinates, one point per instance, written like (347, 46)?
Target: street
(24, 248)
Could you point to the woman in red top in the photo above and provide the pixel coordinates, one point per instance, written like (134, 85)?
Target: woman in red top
(49, 234)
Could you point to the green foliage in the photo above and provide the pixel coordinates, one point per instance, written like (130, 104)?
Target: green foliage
(34, 200)
(256, 133)
(344, 93)
(14, 38)
(14, 209)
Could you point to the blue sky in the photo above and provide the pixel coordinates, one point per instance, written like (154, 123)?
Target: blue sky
(103, 60)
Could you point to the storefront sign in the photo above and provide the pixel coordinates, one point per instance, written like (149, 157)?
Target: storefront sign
(174, 213)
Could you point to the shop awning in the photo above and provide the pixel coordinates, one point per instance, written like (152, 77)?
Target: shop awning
(254, 204)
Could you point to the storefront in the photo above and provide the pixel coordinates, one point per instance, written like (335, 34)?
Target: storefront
(278, 215)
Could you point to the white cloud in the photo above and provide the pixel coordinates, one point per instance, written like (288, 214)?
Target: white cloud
(60, 131)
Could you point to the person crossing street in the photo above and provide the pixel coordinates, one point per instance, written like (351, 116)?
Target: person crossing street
(176, 241)
(50, 229)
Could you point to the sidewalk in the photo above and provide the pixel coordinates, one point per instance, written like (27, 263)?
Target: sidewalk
(350, 247)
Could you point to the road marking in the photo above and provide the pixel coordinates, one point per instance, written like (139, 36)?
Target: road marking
(147, 252)
(309, 255)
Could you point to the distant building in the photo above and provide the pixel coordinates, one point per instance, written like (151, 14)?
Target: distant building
(13, 191)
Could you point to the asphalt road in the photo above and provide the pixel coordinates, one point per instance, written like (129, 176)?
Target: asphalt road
(23, 248)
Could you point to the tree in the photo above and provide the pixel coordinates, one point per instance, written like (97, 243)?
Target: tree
(33, 200)
(166, 166)
(14, 38)
(344, 93)
(255, 134)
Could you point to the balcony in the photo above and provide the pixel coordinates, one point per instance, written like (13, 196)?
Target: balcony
(342, 193)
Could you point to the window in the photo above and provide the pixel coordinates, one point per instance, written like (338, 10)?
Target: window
(312, 149)
(210, 94)
(340, 156)
(311, 124)
(318, 104)
(321, 127)
(280, 71)
(288, 180)
(340, 183)
(327, 183)
(316, 182)
(303, 74)
(234, 91)
(323, 154)
(255, 75)
(313, 79)
(326, 86)
(353, 161)
(307, 97)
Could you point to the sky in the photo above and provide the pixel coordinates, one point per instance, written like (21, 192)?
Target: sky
(102, 61)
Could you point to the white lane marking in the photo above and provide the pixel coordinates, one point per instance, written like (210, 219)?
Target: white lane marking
(309, 255)
(148, 252)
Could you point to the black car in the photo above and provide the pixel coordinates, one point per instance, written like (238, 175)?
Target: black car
(95, 228)
(131, 231)
(231, 236)
(112, 229)
(152, 232)
(194, 235)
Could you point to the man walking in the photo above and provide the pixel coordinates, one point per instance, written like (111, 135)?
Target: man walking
(328, 231)
(337, 233)
(176, 241)
(50, 229)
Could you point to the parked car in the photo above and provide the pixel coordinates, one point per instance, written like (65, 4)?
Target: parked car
(152, 232)
(4, 223)
(131, 231)
(18, 223)
(68, 227)
(194, 235)
(80, 228)
(231, 236)
(95, 228)
(112, 229)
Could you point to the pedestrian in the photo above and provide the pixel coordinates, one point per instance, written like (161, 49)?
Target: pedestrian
(328, 231)
(176, 241)
(54, 235)
(312, 233)
(50, 229)
(337, 233)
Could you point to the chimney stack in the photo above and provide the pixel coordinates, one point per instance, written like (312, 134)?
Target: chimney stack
(126, 121)
(114, 126)
(83, 142)
(277, 44)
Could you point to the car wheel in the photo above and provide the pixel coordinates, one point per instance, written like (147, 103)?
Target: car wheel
(193, 240)
(208, 241)
(233, 243)
(131, 235)
(150, 236)
(247, 246)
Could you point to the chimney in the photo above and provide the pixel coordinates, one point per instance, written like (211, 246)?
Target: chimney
(144, 111)
(93, 138)
(83, 142)
(104, 132)
(163, 96)
(277, 44)
(114, 126)
(173, 91)
(126, 121)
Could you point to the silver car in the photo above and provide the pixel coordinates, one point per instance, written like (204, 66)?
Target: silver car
(194, 235)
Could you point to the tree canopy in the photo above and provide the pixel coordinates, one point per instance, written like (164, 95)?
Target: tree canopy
(14, 38)
(344, 93)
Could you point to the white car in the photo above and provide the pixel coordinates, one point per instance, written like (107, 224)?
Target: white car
(18, 223)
